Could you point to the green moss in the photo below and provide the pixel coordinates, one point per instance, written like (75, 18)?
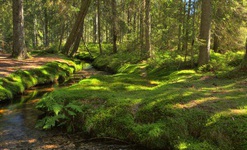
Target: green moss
(196, 145)
(159, 108)
(20, 80)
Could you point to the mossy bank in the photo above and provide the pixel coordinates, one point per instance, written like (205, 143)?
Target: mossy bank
(17, 82)
(154, 107)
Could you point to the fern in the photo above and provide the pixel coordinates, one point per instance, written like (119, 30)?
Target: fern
(74, 107)
(59, 114)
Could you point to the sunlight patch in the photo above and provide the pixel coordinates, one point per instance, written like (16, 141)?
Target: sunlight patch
(96, 88)
(135, 88)
(92, 81)
(182, 146)
(237, 112)
(32, 141)
(49, 146)
(195, 103)
(229, 113)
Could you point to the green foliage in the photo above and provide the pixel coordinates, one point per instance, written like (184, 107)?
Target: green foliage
(234, 59)
(114, 62)
(60, 111)
(222, 62)
(196, 145)
(167, 59)
(94, 49)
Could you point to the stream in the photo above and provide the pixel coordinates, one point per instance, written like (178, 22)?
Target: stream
(18, 119)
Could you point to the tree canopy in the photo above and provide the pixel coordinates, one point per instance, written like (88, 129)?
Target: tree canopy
(143, 26)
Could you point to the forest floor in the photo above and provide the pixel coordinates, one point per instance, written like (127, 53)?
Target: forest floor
(158, 108)
(9, 65)
(17, 121)
(153, 107)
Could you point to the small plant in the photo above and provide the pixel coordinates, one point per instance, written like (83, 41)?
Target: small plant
(60, 113)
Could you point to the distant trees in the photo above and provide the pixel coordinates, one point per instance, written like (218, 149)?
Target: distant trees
(19, 48)
(147, 27)
(228, 21)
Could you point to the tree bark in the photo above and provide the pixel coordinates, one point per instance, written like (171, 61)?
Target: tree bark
(187, 31)
(79, 20)
(244, 62)
(142, 27)
(35, 39)
(46, 22)
(99, 26)
(77, 40)
(19, 48)
(148, 30)
(180, 25)
(61, 36)
(114, 26)
(193, 35)
(95, 19)
(204, 50)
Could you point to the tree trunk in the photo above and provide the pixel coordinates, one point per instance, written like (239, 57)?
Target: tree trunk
(77, 40)
(244, 62)
(95, 19)
(114, 26)
(85, 34)
(46, 32)
(99, 25)
(187, 31)
(180, 25)
(184, 25)
(19, 48)
(204, 50)
(148, 29)
(216, 42)
(79, 20)
(35, 39)
(107, 34)
(142, 27)
(61, 36)
(193, 35)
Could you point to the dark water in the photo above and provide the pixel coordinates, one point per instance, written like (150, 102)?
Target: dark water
(17, 124)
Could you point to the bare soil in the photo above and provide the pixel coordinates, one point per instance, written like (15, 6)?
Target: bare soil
(9, 65)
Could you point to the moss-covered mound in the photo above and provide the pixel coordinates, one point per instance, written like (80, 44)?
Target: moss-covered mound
(20, 80)
(154, 108)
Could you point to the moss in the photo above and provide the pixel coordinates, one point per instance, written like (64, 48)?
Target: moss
(20, 80)
(179, 109)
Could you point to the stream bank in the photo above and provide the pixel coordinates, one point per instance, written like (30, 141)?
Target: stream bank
(18, 119)
(20, 80)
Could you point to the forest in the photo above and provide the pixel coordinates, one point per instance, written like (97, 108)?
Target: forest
(123, 74)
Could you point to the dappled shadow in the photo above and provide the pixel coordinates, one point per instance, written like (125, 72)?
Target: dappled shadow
(181, 106)
(202, 106)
